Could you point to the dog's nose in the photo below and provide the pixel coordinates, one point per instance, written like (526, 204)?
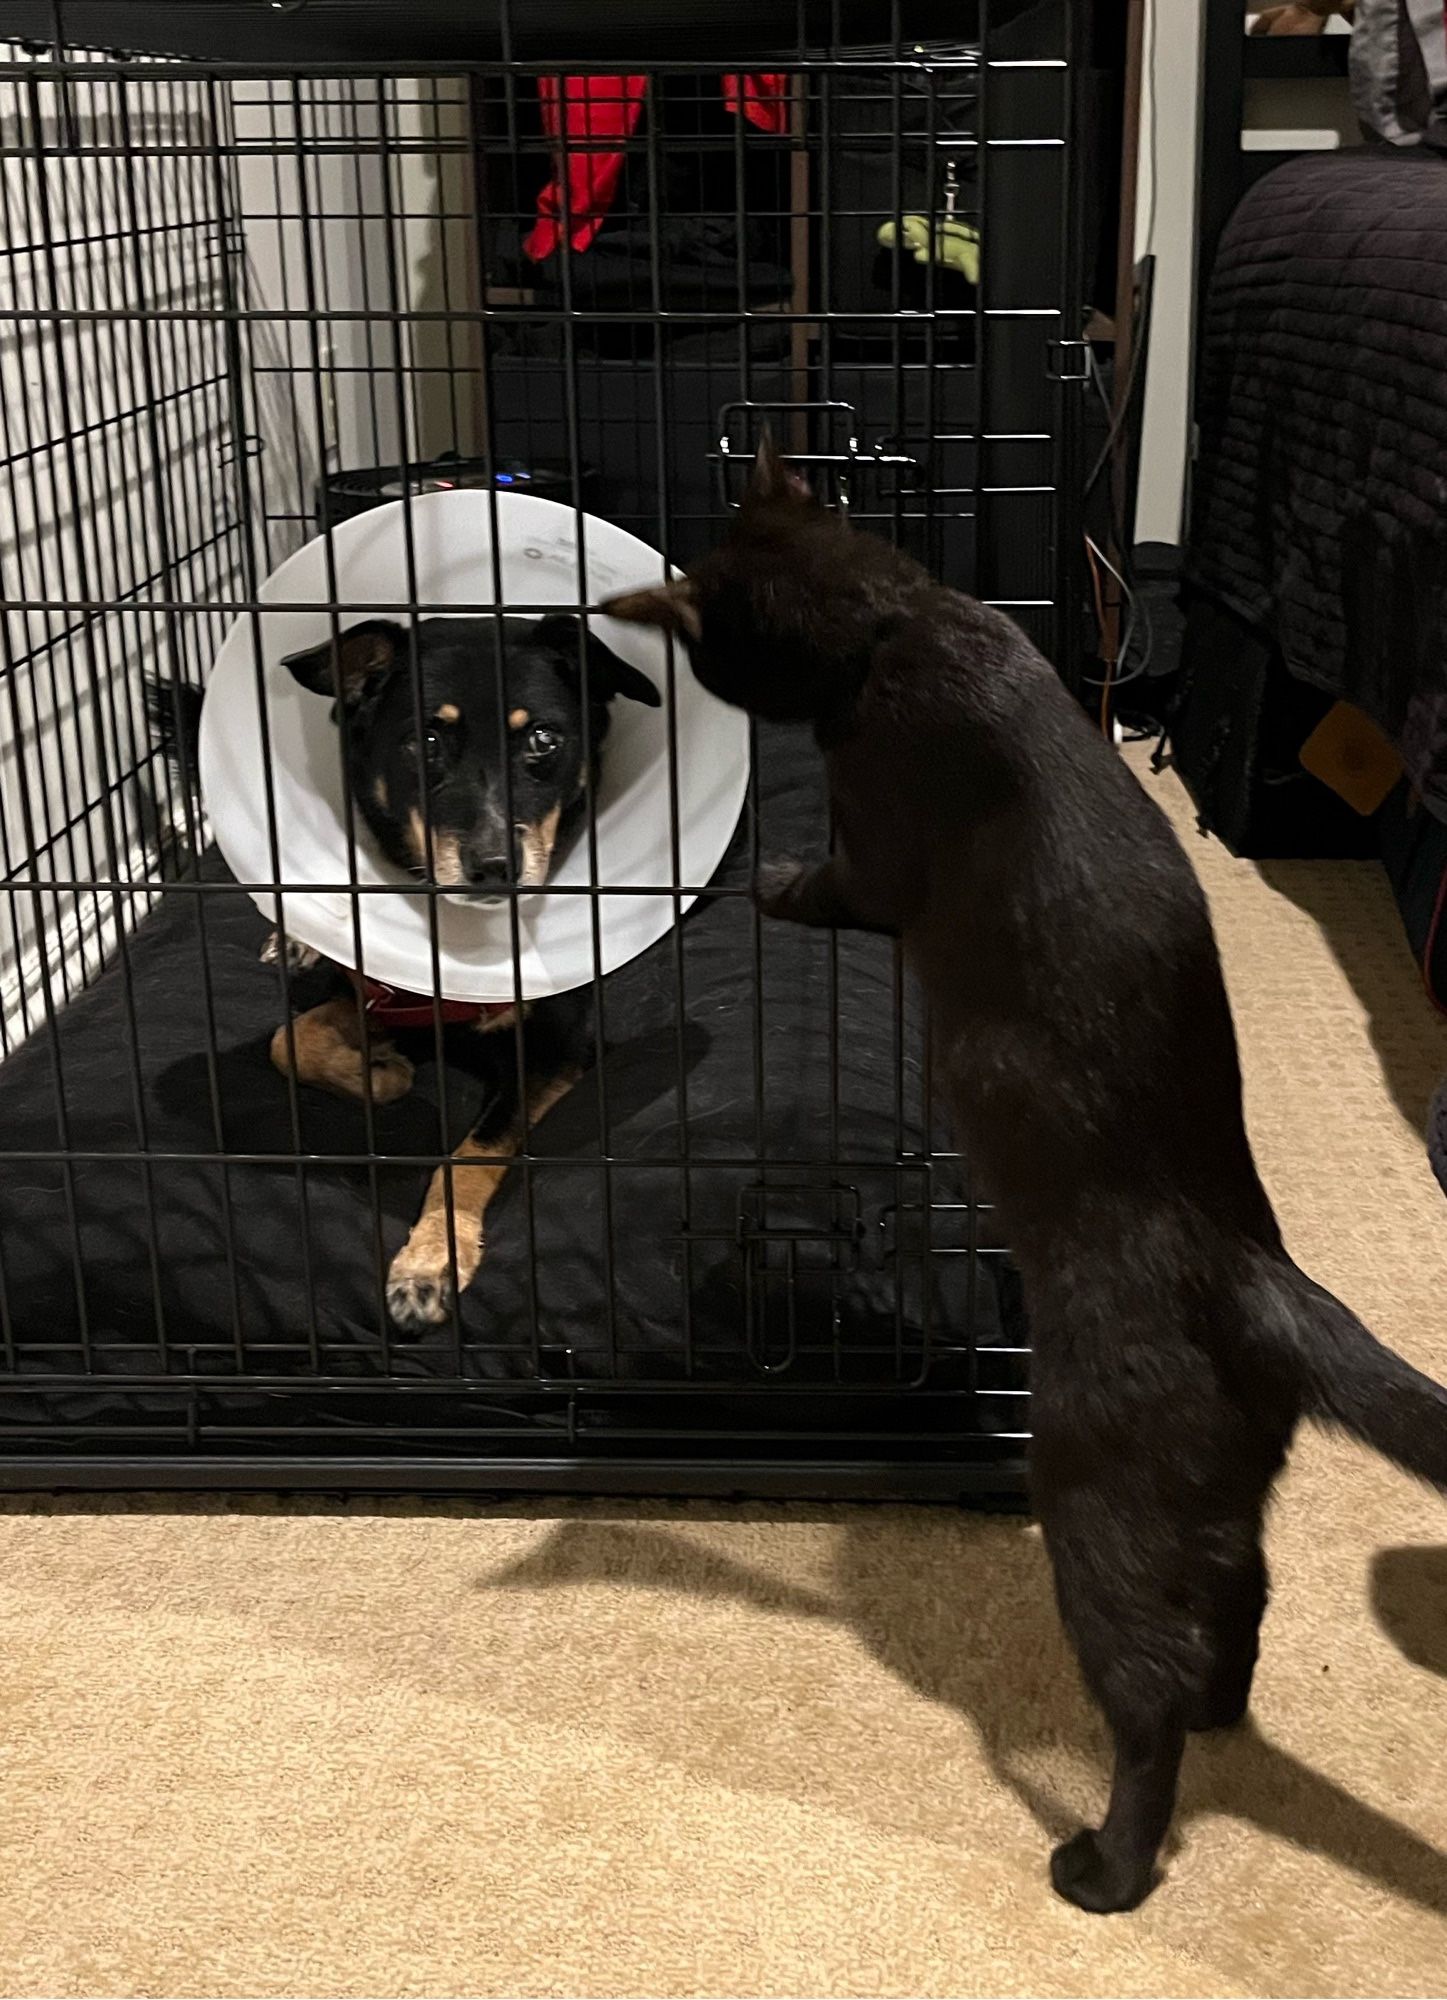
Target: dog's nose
(487, 870)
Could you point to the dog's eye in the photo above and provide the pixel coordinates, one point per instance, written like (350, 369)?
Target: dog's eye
(434, 743)
(542, 744)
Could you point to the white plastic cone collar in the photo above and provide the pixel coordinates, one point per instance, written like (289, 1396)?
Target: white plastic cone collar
(452, 551)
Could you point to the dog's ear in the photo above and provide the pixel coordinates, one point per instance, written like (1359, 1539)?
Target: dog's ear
(608, 676)
(360, 657)
(672, 607)
(771, 478)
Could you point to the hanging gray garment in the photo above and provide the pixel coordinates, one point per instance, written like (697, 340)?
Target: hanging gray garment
(1399, 71)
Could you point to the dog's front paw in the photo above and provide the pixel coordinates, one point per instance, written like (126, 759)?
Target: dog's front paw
(435, 1263)
(1085, 1874)
(418, 1300)
(775, 883)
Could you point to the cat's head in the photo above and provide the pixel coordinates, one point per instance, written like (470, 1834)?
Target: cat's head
(770, 616)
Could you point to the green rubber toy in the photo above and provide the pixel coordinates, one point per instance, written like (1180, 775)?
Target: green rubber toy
(955, 244)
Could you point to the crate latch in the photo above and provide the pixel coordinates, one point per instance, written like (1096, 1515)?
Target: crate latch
(792, 1238)
(1067, 360)
(831, 467)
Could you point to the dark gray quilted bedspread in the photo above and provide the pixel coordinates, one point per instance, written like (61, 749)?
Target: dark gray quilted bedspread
(1320, 494)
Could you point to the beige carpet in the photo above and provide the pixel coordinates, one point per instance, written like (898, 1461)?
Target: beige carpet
(663, 1751)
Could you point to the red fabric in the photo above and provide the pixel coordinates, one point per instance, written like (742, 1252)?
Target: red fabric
(588, 109)
(593, 108)
(765, 100)
(390, 1008)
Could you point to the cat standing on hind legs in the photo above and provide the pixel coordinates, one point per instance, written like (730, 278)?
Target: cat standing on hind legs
(1086, 1052)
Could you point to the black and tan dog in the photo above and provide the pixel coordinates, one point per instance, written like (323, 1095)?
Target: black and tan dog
(466, 786)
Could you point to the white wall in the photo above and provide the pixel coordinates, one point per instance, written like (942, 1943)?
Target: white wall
(1166, 224)
(1311, 112)
(151, 460)
(383, 174)
(112, 488)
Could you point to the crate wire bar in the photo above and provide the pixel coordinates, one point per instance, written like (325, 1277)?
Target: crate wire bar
(245, 298)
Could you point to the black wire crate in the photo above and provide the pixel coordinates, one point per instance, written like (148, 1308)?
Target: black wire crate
(320, 370)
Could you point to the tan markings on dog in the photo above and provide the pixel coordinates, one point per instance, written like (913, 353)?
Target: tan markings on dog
(447, 865)
(519, 719)
(419, 1283)
(333, 1052)
(447, 868)
(379, 793)
(538, 843)
(417, 837)
(492, 1024)
(449, 712)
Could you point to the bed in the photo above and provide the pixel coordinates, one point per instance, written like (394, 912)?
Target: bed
(250, 1269)
(1317, 562)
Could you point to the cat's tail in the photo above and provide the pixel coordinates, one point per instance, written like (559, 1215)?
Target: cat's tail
(1347, 1378)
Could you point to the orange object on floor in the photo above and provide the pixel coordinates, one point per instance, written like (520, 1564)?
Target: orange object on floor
(1347, 751)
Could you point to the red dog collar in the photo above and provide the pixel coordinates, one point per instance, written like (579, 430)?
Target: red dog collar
(390, 1008)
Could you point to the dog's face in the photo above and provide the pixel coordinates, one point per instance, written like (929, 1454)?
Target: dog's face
(764, 615)
(461, 782)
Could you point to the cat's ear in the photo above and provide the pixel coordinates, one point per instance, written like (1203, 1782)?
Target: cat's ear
(771, 478)
(671, 607)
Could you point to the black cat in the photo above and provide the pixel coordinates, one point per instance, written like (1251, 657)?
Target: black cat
(1086, 1049)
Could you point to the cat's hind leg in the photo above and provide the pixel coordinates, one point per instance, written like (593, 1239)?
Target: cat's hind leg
(1237, 1640)
(1113, 1867)
(1145, 1660)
